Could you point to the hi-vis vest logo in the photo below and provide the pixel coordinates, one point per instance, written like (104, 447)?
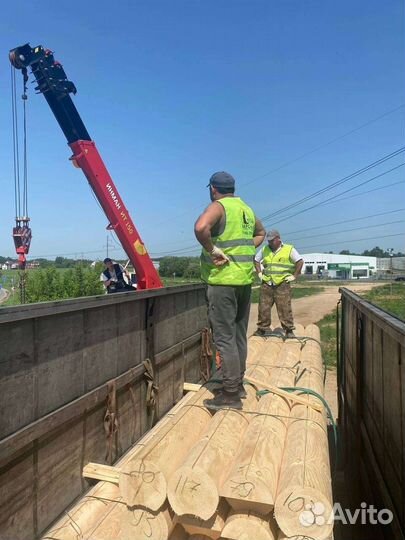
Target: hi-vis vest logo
(246, 223)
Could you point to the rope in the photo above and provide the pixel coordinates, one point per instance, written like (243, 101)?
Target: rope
(151, 390)
(111, 420)
(205, 354)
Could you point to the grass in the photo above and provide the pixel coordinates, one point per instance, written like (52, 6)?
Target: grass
(327, 327)
(390, 297)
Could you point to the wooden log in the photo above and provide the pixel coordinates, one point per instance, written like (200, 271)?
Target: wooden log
(89, 511)
(198, 537)
(248, 526)
(86, 514)
(143, 478)
(178, 533)
(211, 528)
(282, 536)
(252, 481)
(299, 330)
(143, 525)
(311, 356)
(193, 488)
(304, 495)
(263, 352)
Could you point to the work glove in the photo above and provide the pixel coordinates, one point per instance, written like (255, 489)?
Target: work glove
(260, 276)
(289, 279)
(218, 256)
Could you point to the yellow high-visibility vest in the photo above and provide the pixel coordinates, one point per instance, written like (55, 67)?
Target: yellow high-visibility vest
(236, 242)
(277, 266)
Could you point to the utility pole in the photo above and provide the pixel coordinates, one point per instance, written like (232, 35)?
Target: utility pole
(391, 253)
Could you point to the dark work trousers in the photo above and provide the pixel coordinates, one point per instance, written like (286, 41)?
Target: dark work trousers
(228, 312)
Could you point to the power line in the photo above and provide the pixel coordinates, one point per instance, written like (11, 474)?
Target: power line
(337, 195)
(344, 221)
(336, 183)
(71, 253)
(320, 204)
(355, 240)
(305, 154)
(355, 229)
(363, 193)
(324, 145)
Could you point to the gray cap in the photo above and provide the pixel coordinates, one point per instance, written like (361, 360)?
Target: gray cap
(222, 179)
(271, 235)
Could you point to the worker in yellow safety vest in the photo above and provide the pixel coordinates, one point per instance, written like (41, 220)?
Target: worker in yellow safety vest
(229, 233)
(277, 265)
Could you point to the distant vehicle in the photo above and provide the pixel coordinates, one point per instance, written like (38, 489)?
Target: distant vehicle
(400, 278)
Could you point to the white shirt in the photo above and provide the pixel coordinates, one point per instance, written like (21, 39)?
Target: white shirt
(294, 255)
(112, 274)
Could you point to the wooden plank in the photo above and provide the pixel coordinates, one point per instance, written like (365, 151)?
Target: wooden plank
(131, 334)
(44, 309)
(17, 381)
(392, 409)
(191, 387)
(100, 501)
(60, 360)
(378, 480)
(377, 393)
(99, 471)
(59, 472)
(26, 435)
(17, 508)
(391, 325)
(101, 342)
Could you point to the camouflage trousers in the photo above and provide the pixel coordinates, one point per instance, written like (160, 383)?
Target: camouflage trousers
(281, 296)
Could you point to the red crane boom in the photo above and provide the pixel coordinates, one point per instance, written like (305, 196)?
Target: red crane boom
(54, 85)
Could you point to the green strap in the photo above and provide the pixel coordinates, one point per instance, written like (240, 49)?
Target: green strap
(311, 392)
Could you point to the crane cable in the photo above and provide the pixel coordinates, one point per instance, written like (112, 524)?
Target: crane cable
(20, 184)
(16, 153)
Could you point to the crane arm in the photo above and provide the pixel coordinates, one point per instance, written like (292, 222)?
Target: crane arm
(53, 83)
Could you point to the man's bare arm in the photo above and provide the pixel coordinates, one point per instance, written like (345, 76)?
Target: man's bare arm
(259, 234)
(298, 267)
(202, 228)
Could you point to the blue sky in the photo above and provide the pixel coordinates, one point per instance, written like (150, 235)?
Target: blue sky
(174, 91)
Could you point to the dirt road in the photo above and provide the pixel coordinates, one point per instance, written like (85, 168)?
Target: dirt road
(311, 309)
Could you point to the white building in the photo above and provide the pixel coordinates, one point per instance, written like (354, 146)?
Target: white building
(338, 266)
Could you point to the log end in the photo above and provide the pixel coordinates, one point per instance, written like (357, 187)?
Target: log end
(143, 525)
(191, 491)
(142, 484)
(247, 526)
(304, 511)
